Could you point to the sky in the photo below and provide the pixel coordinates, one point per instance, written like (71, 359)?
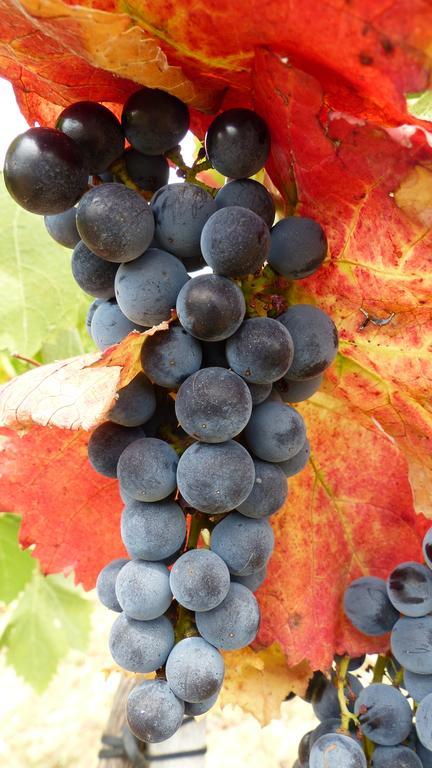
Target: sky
(13, 123)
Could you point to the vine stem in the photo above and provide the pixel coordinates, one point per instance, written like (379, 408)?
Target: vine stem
(196, 526)
(190, 173)
(25, 359)
(379, 668)
(346, 715)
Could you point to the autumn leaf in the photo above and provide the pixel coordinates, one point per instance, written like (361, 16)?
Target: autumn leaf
(70, 513)
(258, 681)
(367, 191)
(366, 57)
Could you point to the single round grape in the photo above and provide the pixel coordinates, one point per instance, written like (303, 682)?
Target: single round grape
(259, 392)
(105, 584)
(147, 469)
(298, 247)
(143, 590)
(235, 242)
(62, 228)
(136, 403)
(411, 644)
(237, 143)
(409, 588)
(315, 340)
(215, 478)
(95, 130)
(259, 351)
(325, 701)
(269, 492)
(109, 325)
(201, 707)
(93, 275)
(297, 391)
(248, 193)
(199, 580)
(90, 312)
(152, 530)
(304, 749)
(334, 750)
(297, 462)
(234, 623)
(115, 222)
(194, 670)
(141, 646)
(213, 405)
(44, 171)
(180, 212)
(275, 431)
(425, 755)
(384, 714)
(169, 357)
(147, 288)
(253, 581)
(244, 544)
(154, 713)
(395, 757)
(211, 307)
(154, 121)
(106, 444)
(149, 172)
(331, 725)
(427, 547)
(367, 606)
(418, 686)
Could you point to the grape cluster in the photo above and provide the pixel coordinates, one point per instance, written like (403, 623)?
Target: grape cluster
(381, 723)
(203, 439)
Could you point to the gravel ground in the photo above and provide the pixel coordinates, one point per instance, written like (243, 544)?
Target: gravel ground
(62, 727)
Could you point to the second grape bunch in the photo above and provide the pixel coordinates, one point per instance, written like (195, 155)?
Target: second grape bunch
(203, 439)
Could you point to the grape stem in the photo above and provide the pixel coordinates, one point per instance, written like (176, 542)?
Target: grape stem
(341, 674)
(188, 173)
(197, 523)
(119, 170)
(379, 668)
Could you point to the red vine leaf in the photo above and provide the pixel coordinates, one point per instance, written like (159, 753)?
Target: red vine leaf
(367, 190)
(69, 512)
(366, 55)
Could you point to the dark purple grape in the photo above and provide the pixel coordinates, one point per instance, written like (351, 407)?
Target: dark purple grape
(44, 171)
(149, 172)
(95, 130)
(238, 143)
(62, 228)
(154, 121)
(248, 194)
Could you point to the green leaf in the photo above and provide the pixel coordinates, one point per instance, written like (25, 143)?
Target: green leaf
(420, 105)
(51, 617)
(16, 564)
(39, 294)
(66, 343)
